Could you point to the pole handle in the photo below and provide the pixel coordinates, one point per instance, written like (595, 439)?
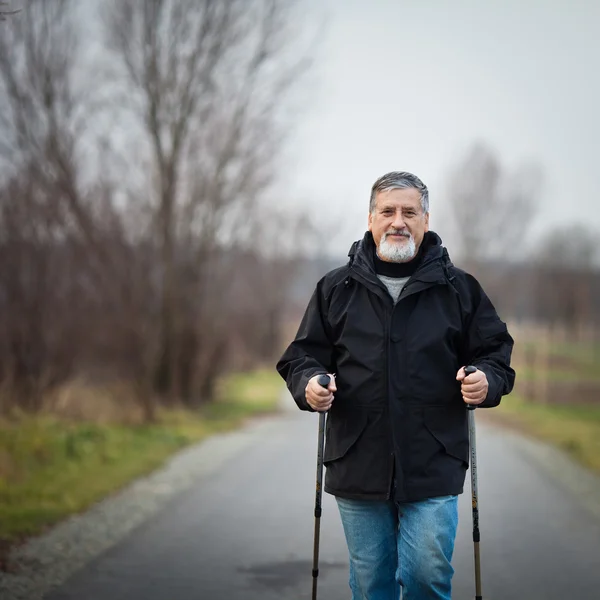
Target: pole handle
(324, 380)
(469, 370)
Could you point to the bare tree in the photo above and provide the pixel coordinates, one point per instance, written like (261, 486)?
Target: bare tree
(122, 231)
(35, 58)
(59, 236)
(566, 261)
(208, 78)
(573, 246)
(492, 207)
(5, 11)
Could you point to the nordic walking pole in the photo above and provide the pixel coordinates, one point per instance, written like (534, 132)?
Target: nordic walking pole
(324, 381)
(474, 496)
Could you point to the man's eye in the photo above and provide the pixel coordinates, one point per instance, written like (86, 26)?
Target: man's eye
(410, 213)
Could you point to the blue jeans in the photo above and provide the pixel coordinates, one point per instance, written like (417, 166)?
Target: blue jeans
(406, 545)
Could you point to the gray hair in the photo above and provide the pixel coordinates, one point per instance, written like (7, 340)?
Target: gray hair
(400, 180)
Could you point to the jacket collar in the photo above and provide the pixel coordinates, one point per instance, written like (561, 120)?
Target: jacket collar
(433, 264)
(433, 269)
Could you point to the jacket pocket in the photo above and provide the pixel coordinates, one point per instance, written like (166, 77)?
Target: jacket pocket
(449, 427)
(343, 431)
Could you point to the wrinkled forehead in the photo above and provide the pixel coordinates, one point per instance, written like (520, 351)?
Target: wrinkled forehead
(398, 198)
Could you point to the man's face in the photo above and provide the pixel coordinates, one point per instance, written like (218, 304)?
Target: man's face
(398, 224)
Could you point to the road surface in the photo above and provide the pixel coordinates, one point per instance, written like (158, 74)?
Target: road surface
(246, 532)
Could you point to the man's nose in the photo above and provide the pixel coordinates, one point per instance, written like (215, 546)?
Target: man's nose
(398, 221)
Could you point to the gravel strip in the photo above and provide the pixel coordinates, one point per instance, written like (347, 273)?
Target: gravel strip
(47, 561)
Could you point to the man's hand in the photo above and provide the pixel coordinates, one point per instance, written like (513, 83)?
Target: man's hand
(474, 387)
(318, 397)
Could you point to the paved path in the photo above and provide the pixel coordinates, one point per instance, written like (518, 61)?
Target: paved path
(245, 532)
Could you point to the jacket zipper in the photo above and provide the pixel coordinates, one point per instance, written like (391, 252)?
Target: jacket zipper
(391, 486)
(382, 287)
(392, 476)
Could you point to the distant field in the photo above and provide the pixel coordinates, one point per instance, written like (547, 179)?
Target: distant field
(557, 394)
(573, 428)
(554, 368)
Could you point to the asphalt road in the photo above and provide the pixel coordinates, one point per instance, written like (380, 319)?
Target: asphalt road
(246, 532)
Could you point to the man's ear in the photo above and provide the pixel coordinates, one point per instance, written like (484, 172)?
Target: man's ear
(370, 221)
(426, 222)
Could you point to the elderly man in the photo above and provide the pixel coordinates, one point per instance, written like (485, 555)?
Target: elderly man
(397, 325)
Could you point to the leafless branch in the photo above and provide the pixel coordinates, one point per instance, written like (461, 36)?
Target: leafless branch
(493, 208)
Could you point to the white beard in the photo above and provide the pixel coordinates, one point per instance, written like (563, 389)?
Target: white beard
(397, 252)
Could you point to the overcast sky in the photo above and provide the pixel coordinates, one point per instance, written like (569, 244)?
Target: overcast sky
(408, 85)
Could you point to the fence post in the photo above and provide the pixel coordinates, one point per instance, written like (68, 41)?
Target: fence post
(543, 366)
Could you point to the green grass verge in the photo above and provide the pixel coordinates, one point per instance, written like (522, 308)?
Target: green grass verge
(50, 468)
(583, 373)
(578, 351)
(575, 429)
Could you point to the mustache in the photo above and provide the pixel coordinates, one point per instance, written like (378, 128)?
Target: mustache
(403, 232)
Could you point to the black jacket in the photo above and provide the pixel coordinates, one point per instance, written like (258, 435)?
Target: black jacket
(398, 425)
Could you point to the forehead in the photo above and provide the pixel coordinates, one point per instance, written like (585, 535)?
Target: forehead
(398, 197)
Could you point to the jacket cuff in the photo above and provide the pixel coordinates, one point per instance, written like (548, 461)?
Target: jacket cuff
(300, 396)
(494, 393)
